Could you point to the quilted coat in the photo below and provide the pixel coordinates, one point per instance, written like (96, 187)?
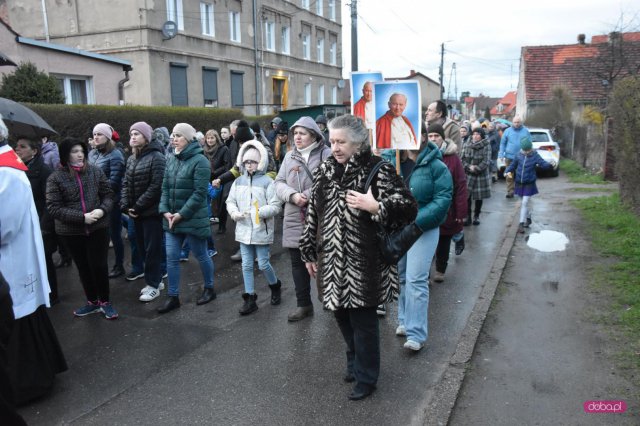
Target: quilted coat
(342, 241)
(142, 185)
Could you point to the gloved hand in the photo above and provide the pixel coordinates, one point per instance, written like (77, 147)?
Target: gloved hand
(236, 216)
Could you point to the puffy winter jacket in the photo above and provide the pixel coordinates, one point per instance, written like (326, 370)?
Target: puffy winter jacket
(431, 185)
(525, 166)
(112, 164)
(249, 191)
(458, 209)
(66, 205)
(510, 142)
(184, 191)
(142, 185)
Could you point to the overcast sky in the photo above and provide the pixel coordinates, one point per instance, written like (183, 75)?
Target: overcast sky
(483, 38)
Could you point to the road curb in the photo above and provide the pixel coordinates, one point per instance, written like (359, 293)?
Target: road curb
(445, 393)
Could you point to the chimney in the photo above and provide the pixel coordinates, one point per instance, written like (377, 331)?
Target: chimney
(581, 38)
(412, 73)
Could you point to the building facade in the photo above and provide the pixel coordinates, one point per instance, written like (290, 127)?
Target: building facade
(261, 56)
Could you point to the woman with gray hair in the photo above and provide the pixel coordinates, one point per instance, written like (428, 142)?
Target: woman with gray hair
(337, 241)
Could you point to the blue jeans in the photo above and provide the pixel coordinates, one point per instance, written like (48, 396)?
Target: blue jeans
(211, 245)
(199, 247)
(413, 271)
(250, 252)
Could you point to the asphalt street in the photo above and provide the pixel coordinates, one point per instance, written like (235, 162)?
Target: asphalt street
(208, 365)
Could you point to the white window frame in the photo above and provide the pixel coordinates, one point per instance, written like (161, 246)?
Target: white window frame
(320, 49)
(333, 53)
(175, 13)
(334, 95)
(207, 19)
(307, 93)
(319, 7)
(234, 27)
(66, 88)
(285, 34)
(321, 94)
(332, 10)
(270, 36)
(304, 4)
(306, 46)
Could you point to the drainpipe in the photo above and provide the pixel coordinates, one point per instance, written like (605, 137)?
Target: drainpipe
(121, 87)
(255, 51)
(46, 20)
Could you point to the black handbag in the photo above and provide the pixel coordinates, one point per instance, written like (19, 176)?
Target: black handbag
(393, 245)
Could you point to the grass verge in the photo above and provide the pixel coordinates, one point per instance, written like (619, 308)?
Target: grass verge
(592, 189)
(615, 233)
(578, 174)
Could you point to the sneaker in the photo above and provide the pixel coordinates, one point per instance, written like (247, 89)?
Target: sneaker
(148, 287)
(212, 253)
(149, 293)
(381, 310)
(89, 308)
(401, 331)
(108, 310)
(184, 256)
(132, 276)
(413, 345)
(438, 277)
(236, 256)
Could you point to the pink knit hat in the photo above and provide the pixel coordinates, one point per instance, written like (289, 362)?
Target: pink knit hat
(143, 128)
(104, 129)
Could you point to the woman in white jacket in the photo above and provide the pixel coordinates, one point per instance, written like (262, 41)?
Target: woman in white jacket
(253, 204)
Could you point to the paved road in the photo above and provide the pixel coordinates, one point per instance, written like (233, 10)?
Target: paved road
(208, 365)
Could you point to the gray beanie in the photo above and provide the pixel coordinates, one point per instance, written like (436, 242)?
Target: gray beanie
(309, 124)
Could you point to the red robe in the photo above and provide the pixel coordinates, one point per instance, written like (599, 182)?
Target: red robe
(358, 108)
(383, 130)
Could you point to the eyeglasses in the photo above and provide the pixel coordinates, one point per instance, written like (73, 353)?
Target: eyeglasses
(248, 162)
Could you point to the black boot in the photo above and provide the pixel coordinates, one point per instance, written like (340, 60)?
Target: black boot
(467, 221)
(459, 246)
(275, 292)
(301, 312)
(171, 303)
(207, 296)
(249, 305)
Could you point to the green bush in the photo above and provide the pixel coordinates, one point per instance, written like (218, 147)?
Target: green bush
(28, 84)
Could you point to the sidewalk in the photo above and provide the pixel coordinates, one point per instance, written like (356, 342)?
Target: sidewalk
(540, 355)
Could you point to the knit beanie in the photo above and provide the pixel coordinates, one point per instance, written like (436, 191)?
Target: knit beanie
(525, 143)
(161, 134)
(283, 128)
(480, 131)
(143, 128)
(104, 129)
(65, 149)
(243, 132)
(436, 128)
(185, 130)
(309, 124)
(251, 154)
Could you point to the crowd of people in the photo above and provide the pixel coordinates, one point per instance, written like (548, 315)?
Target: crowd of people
(169, 189)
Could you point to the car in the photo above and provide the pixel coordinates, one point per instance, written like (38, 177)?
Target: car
(548, 149)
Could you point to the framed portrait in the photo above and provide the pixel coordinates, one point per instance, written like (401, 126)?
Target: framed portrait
(362, 96)
(397, 111)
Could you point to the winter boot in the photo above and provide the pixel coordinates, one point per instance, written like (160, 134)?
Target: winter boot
(521, 228)
(249, 305)
(275, 292)
(170, 303)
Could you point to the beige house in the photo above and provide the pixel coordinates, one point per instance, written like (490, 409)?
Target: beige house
(85, 77)
(261, 56)
(429, 88)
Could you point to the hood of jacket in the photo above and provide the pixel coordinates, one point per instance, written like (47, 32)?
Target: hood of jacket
(189, 151)
(449, 147)
(264, 156)
(428, 154)
(154, 145)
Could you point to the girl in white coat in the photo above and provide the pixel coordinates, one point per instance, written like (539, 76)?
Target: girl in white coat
(253, 204)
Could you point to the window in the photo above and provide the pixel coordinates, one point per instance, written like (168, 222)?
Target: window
(319, 7)
(307, 94)
(321, 94)
(334, 95)
(210, 86)
(306, 46)
(305, 4)
(178, 81)
(234, 26)
(206, 19)
(333, 57)
(237, 89)
(76, 89)
(320, 50)
(286, 40)
(332, 10)
(270, 36)
(175, 14)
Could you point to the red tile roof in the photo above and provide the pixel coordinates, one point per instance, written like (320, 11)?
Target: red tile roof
(508, 102)
(579, 67)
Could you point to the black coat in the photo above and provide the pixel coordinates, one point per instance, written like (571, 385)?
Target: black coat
(220, 161)
(142, 185)
(38, 174)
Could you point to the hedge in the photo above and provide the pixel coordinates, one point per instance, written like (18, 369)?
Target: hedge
(78, 120)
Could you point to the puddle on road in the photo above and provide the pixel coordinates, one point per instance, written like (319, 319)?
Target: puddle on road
(548, 241)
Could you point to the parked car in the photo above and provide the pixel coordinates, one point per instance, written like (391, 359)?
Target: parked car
(548, 149)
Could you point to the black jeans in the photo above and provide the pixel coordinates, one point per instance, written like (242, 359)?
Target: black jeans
(115, 233)
(477, 208)
(50, 245)
(301, 278)
(222, 212)
(442, 253)
(149, 243)
(359, 327)
(90, 252)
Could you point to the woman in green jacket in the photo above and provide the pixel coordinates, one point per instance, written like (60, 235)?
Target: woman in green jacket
(184, 207)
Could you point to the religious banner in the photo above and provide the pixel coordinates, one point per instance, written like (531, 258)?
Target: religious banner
(397, 111)
(362, 96)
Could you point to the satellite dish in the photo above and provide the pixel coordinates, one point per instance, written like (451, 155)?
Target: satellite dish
(341, 84)
(169, 30)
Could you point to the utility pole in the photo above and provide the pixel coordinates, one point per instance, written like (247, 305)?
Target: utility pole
(442, 72)
(354, 35)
